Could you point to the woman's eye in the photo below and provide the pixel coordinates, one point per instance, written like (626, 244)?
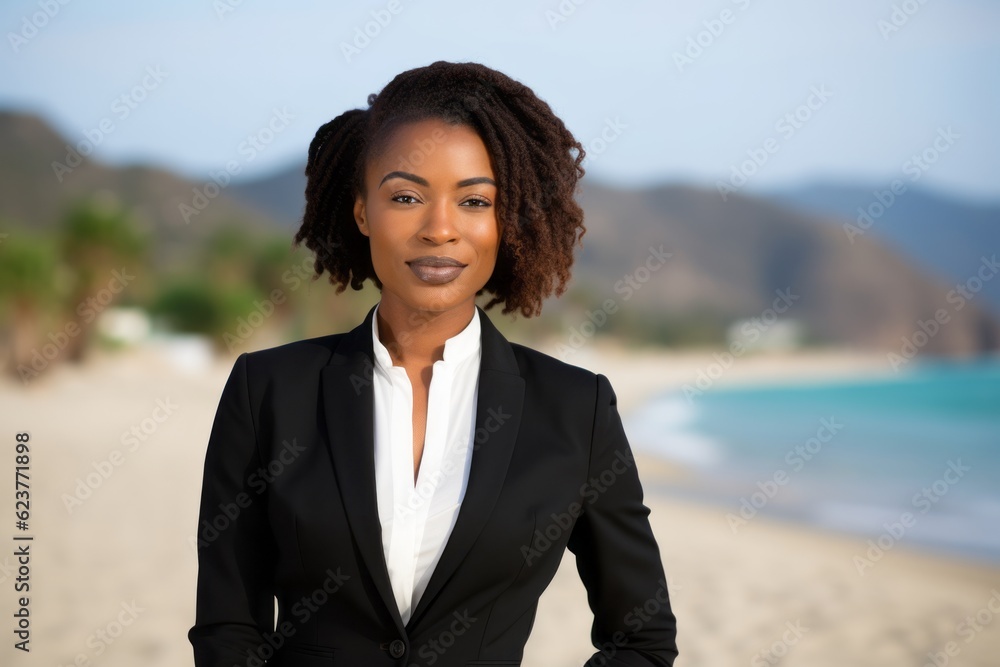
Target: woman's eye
(397, 198)
(476, 203)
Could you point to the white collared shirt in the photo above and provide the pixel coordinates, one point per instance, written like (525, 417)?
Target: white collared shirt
(418, 519)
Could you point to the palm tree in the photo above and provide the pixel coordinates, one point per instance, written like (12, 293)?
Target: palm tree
(101, 245)
(27, 265)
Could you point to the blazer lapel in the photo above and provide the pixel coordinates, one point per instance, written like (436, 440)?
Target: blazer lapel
(349, 405)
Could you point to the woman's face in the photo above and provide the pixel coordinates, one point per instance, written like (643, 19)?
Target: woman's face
(429, 195)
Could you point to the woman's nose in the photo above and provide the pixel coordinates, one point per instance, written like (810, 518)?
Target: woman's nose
(439, 223)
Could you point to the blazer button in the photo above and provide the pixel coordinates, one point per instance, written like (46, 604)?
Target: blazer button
(397, 648)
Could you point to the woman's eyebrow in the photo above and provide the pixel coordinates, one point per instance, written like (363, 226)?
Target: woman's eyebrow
(476, 180)
(404, 174)
(423, 181)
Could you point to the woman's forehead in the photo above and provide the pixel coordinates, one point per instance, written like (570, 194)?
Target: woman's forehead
(431, 146)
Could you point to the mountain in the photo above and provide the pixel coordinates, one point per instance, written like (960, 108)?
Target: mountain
(734, 257)
(942, 235)
(43, 174)
(747, 257)
(731, 259)
(281, 195)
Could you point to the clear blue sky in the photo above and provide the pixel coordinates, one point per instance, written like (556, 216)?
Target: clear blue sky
(225, 72)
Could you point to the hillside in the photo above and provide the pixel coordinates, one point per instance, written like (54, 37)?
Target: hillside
(942, 235)
(728, 260)
(35, 193)
(733, 257)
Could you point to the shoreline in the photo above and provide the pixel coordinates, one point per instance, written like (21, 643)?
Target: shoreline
(839, 540)
(653, 485)
(639, 377)
(639, 374)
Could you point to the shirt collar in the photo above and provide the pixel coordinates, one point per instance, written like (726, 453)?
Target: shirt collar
(465, 343)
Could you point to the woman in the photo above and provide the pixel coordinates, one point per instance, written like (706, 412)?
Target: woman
(406, 489)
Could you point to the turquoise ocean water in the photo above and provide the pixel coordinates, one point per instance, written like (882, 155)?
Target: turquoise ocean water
(913, 458)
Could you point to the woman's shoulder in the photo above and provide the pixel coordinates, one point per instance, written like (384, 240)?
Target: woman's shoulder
(539, 366)
(553, 383)
(297, 355)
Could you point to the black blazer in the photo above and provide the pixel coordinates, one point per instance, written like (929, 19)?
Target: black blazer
(288, 511)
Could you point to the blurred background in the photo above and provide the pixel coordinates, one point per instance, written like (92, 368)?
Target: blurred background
(789, 276)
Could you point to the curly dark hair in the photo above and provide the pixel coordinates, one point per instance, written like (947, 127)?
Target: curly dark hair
(532, 154)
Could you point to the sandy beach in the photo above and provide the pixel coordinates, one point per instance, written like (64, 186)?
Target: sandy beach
(113, 567)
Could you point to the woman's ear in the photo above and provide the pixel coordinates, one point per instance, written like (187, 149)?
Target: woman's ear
(359, 214)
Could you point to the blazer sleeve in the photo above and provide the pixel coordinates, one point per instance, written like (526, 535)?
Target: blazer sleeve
(617, 555)
(235, 594)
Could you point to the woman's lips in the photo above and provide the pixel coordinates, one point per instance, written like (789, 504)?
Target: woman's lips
(435, 275)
